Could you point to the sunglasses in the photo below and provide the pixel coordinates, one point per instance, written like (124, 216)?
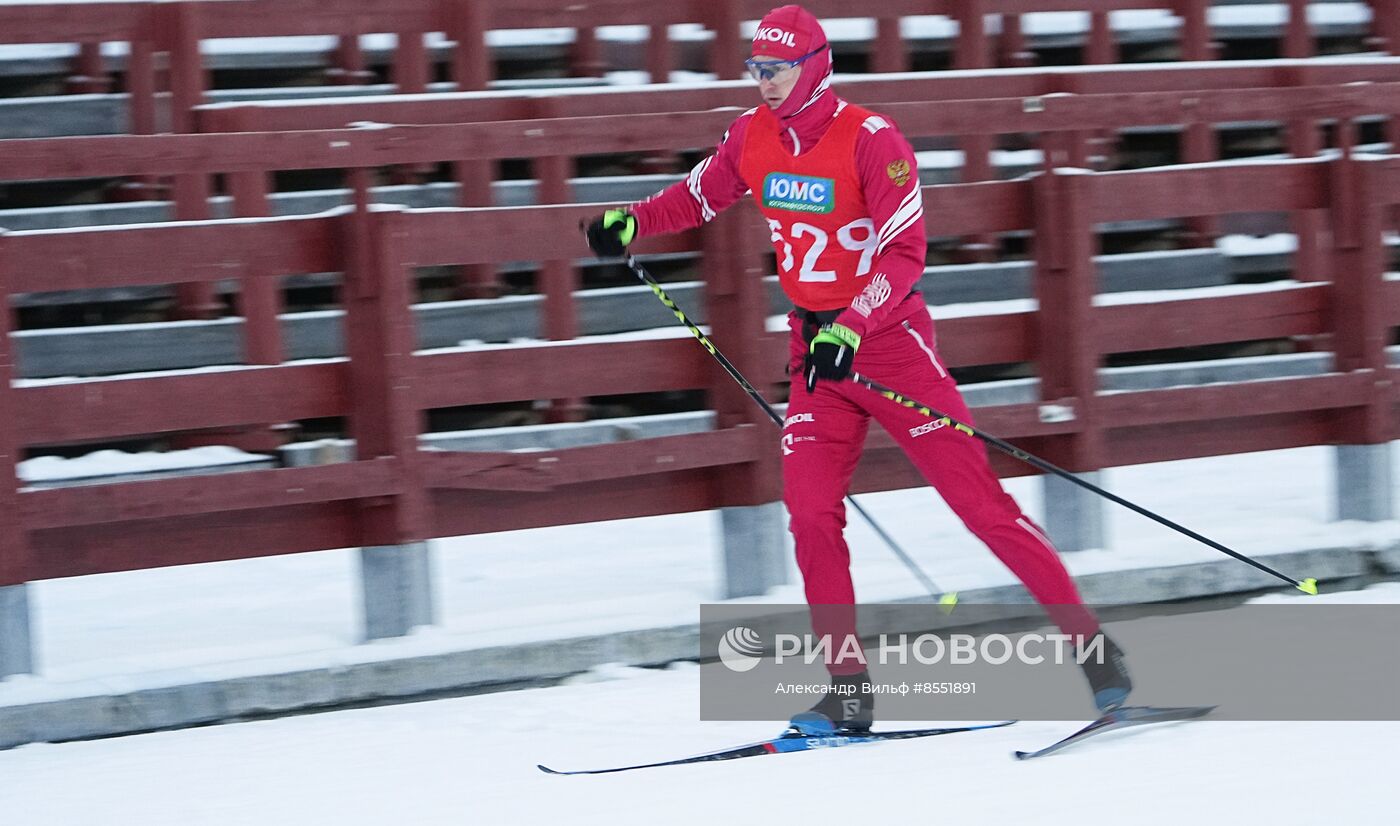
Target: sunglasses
(769, 69)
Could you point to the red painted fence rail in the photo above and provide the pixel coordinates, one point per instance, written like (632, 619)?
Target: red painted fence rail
(179, 28)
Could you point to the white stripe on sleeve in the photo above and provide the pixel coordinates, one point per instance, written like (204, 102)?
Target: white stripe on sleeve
(697, 192)
(911, 203)
(913, 219)
(875, 123)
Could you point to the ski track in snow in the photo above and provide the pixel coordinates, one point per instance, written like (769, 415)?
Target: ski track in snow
(472, 760)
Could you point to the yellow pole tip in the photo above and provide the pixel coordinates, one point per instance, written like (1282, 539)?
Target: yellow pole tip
(1308, 586)
(948, 600)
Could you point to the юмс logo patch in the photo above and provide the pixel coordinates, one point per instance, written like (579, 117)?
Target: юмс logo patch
(798, 193)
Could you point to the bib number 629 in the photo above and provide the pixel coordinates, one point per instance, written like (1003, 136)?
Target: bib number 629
(845, 236)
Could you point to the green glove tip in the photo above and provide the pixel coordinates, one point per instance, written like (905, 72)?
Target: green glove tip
(838, 334)
(628, 233)
(1308, 586)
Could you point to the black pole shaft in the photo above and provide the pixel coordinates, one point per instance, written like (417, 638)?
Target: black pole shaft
(646, 277)
(1036, 461)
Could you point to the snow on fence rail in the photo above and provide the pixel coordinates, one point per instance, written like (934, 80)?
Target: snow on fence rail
(395, 494)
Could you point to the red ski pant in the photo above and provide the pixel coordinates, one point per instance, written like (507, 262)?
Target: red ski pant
(821, 443)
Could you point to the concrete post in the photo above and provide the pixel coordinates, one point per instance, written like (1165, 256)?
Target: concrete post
(1363, 489)
(754, 553)
(1073, 515)
(16, 642)
(397, 584)
(396, 581)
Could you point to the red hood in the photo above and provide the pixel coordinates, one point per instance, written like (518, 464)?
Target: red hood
(788, 33)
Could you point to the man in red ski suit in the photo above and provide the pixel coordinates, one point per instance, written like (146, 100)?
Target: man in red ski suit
(839, 187)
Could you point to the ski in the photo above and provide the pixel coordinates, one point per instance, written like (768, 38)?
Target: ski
(790, 742)
(1121, 718)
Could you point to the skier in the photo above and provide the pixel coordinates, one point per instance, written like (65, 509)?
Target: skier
(839, 187)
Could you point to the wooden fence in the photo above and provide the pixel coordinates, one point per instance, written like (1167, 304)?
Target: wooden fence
(394, 493)
(1089, 107)
(178, 28)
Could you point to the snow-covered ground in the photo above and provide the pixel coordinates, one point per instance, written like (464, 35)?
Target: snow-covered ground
(472, 760)
(301, 611)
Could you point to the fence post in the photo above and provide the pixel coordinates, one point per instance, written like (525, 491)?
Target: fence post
(1198, 145)
(348, 62)
(410, 64)
(736, 306)
(1360, 333)
(385, 419)
(1100, 47)
(260, 301)
(1385, 25)
(1011, 45)
(181, 29)
(16, 641)
(1309, 262)
(659, 50)
(586, 57)
(1195, 30)
(180, 35)
(259, 298)
(726, 52)
(466, 24)
(1297, 39)
(471, 68)
(971, 50)
(474, 179)
(889, 53)
(89, 74)
(259, 292)
(977, 166)
(1303, 139)
(140, 85)
(1067, 351)
(558, 279)
(1198, 139)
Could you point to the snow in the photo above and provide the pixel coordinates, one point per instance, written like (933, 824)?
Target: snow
(649, 334)
(976, 308)
(1277, 15)
(1145, 296)
(472, 759)
(286, 613)
(953, 159)
(117, 462)
(643, 78)
(1282, 242)
(159, 374)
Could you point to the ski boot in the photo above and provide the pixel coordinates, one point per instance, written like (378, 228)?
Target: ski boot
(849, 707)
(1108, 679)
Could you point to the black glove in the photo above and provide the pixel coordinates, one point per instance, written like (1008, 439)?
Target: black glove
(610, 233)
(830, 356)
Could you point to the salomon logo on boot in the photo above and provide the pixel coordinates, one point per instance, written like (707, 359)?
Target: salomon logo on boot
(1107, 671)
(847, 707)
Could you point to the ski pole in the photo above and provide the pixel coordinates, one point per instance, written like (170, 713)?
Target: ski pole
(948, 600)
(1307, 586)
